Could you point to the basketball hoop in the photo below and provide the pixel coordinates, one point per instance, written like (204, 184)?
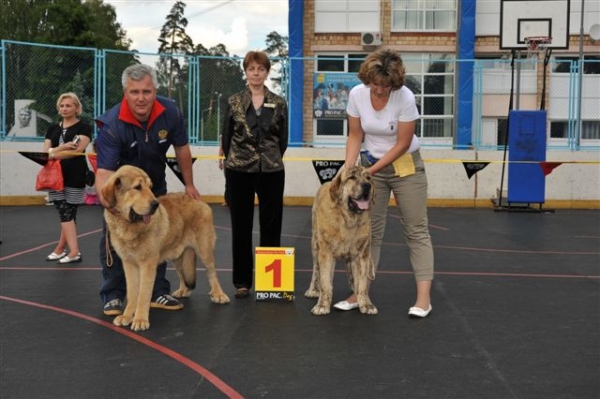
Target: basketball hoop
(535, 44)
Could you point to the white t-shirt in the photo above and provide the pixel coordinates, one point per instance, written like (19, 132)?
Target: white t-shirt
(380, 127)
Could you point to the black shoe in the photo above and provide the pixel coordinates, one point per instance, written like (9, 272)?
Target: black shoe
(113, 307)
(166, 302)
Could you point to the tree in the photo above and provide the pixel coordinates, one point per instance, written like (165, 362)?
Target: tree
(81, 23)
(43, 72)
(174, 41)
(277, 46)
(220, 77)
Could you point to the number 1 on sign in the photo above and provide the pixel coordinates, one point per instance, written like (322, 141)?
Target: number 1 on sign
(275, 267)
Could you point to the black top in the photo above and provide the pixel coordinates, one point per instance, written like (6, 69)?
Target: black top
(73, 169)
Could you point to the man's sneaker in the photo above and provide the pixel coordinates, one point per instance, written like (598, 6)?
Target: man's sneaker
(166, 302)
(113, 308)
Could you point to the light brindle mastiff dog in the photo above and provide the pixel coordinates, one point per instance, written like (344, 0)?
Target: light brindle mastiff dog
(341, 229)
(147, 231)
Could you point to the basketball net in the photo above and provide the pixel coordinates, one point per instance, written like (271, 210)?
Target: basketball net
(536, 44)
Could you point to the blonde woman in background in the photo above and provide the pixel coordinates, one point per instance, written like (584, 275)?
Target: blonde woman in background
(67, 142)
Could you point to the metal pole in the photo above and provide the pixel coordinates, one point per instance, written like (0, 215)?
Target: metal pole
(219, 115)
(580, 94)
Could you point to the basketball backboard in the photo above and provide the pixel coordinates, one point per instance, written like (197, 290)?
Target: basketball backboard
(522, 18)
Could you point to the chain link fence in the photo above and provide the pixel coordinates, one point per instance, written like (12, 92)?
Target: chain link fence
(33, 76)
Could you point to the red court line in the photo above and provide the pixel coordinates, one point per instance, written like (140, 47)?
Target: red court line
(435, 246)
(217, 382)
(491, 274)
(483, 274)
(433, 226)
(515, 251)
(45, 245)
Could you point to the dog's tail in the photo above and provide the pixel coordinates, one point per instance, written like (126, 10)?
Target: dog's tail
(186, 266)
(371, 270)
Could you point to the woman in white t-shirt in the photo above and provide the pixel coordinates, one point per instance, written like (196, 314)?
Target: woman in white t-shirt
(382, 116)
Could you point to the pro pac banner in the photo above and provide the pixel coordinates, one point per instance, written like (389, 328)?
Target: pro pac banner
(327, 169)
(41, 158)
(473, 167)
(174, 166)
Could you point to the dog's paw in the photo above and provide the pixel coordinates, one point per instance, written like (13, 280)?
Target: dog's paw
(140, 324)
(122, 321)
(368, 309)
(221, 298)
(311, 293)
(182, 293)
(319, 310)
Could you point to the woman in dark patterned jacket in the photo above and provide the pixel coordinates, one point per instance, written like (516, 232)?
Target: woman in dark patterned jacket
(255, 137)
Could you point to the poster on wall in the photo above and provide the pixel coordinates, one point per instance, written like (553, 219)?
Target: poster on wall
(330, 94)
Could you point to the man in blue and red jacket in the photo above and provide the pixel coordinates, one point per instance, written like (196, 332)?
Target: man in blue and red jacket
(139, 131)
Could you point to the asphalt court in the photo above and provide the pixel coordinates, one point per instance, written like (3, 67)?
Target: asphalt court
(516, 315)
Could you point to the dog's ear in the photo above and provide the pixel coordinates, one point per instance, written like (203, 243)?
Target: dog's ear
(109, 190)
(334, 189)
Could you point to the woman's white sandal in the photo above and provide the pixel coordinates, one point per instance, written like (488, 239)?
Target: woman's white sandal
(345, 305)
(419, 313)
(54, 256)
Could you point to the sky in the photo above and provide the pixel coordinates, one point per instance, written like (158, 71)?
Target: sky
(241, 25)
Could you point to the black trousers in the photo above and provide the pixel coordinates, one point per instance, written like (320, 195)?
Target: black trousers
(242, 188)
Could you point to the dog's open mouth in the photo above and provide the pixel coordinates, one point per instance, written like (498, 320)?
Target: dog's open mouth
(358, 205)
(136, 217)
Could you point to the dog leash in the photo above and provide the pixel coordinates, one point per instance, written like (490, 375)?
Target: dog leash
(109, 257)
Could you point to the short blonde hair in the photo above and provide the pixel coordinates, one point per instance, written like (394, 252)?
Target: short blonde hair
(383, 68)
(73, 97)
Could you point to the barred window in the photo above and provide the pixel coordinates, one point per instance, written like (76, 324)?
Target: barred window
(330, 126)
(590, 130)
(431, 78)
(591, 64)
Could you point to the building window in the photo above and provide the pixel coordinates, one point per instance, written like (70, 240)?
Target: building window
(590, 130)
(346, 16)
(591, 64)
(424, 15)
(429, 76)
(504, 63)
(335, 75)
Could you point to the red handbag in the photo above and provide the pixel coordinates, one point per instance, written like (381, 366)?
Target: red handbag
(50, 178)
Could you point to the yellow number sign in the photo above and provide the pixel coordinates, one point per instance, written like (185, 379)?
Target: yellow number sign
(274, 273)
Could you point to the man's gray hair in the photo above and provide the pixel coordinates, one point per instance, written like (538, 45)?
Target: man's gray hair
(138, 72)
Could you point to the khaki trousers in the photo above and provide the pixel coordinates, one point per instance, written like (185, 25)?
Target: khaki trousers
(410, 193)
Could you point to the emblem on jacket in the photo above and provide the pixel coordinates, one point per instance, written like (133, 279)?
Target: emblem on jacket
(162, 134)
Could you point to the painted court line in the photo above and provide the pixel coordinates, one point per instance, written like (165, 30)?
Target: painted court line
(203, 372)
(445, 273)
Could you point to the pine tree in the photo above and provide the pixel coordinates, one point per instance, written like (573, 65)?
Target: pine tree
(174, 42)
